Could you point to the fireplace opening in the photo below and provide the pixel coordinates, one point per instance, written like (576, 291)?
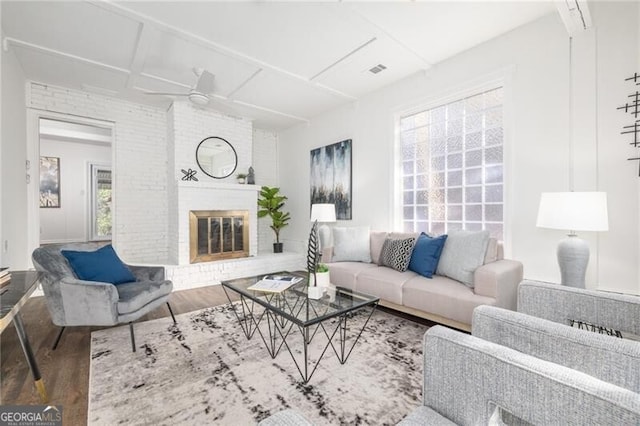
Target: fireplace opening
(218, 234)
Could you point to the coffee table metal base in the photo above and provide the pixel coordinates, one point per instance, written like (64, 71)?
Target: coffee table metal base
(279, 330)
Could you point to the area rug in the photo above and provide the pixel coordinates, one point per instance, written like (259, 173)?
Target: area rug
(204, 371)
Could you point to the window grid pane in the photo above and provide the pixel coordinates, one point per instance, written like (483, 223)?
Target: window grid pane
(452, 166)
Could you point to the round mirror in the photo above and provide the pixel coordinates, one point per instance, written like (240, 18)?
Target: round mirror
(216, 157)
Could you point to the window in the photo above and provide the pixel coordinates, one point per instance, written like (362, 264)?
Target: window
(100, 202)
(452, 168)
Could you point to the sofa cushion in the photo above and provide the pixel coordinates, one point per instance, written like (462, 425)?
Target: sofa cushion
(343, 274)
(351, 244)
(386, 283)
(377, 239)
(443, 296)
(102, 265)
(396, 254)
(426, 254)
(463, 253)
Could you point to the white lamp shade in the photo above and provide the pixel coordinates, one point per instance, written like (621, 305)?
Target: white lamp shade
(573, 211)
(323, 212)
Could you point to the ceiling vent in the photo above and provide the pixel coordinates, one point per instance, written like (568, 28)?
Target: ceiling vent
(377, 69)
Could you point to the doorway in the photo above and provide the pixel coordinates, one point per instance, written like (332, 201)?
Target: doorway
(75, 181)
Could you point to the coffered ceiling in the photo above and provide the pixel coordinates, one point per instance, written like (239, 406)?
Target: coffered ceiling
(278, 63)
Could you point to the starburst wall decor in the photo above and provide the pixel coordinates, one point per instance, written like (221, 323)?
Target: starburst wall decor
(632, 107)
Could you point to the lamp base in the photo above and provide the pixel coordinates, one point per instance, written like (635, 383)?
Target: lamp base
(573, 258)
(324, 236)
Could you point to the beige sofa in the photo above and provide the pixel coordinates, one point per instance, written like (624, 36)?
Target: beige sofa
(439, 299)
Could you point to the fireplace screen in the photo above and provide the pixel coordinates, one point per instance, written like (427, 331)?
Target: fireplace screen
(218, 234)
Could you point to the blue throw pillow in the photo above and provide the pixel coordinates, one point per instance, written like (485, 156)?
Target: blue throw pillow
(426, 254)
(102, 265)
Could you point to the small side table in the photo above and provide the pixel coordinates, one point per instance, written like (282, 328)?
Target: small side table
(12, 299)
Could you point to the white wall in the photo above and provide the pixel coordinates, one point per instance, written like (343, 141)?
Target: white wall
(534, 62)
(70, 222)
(14, 250)
(617, 52)
(265, 164)
(140, 213)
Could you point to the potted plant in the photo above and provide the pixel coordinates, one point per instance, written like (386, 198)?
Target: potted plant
(270, 203)
(321, 277)
(241, 177)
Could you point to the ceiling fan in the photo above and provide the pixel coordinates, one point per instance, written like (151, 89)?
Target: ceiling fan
(199, 94)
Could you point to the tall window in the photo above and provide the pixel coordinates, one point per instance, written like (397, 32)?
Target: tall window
(100, 202)
(452, 166)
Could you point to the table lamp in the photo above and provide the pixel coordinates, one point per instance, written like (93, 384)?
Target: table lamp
(573, 211)
(323, 213)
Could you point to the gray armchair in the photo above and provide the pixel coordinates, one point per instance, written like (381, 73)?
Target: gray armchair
(546, 327)
(470, 381)
(604, 311)
(74, 302)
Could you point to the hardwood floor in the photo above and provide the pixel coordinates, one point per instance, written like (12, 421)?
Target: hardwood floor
(65, 371)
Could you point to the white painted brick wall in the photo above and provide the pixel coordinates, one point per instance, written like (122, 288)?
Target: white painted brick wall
(140, 182)
(209, 273)
(152, 203)
(189, 125)
(192, 124)
(172, 191)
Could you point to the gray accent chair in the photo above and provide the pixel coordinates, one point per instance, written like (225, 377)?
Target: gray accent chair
(566, 305)
(471, 381)
(74, 302)
(607, 358)
(546, 327)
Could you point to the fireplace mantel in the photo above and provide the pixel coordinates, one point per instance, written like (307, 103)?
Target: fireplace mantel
(219, 185)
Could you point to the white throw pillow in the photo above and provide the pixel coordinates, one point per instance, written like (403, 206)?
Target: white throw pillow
(377, 239)
(463, 253)
(351, 244)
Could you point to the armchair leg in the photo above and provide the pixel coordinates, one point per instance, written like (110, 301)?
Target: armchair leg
(55, 344)
(133, 338)
(171, 312)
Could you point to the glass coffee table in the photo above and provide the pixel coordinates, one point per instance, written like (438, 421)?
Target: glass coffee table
(277, 316)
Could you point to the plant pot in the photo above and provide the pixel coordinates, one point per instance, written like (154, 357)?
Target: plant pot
(241, 180)
(322, 277)
(315, 292)
(277, 247)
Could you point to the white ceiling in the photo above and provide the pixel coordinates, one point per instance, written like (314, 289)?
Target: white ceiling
(278, 63)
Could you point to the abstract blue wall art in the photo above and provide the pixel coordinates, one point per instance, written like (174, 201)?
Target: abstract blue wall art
(331, 177)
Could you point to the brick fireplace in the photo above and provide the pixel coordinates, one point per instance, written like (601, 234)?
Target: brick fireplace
(210, 200)
(218, 235)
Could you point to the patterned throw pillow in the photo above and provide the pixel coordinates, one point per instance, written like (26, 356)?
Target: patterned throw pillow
(396, 254)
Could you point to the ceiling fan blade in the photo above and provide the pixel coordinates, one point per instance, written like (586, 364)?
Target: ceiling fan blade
(205, 83)
(166, 94)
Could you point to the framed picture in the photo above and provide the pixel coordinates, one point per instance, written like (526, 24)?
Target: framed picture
(331, 177)
(49, 182)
